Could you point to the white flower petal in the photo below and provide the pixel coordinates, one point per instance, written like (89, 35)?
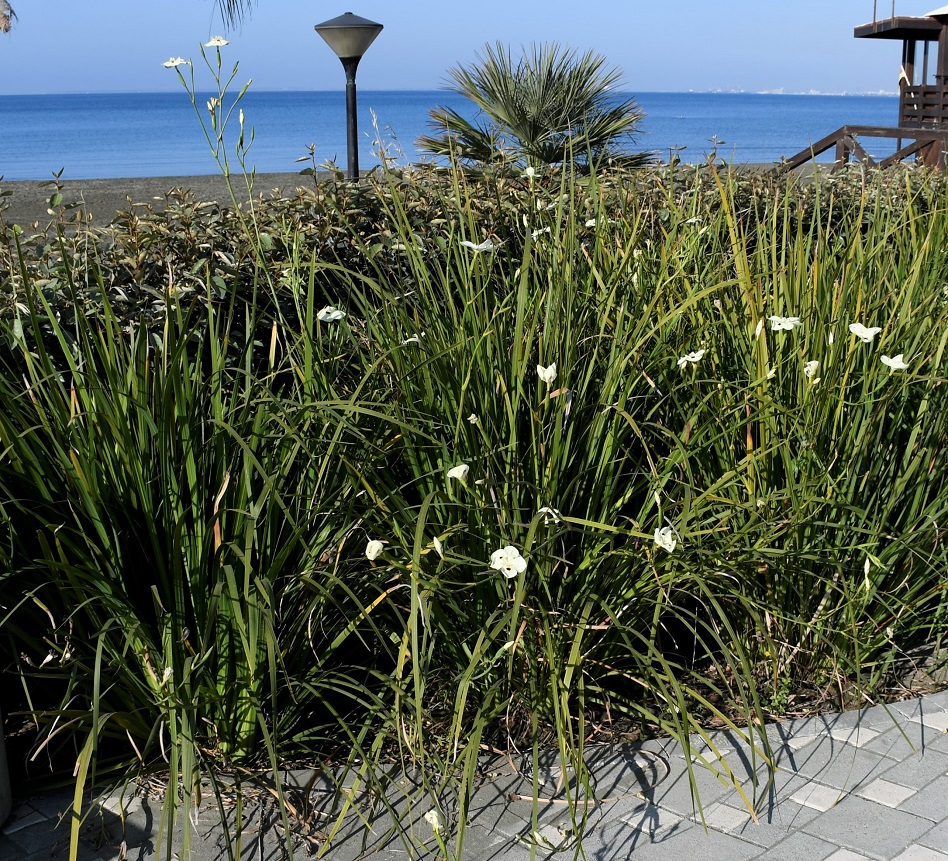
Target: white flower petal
(547, 374)
(486, 245)
(665, 538)
(864, 333)
(896, 363)
(459, 472)
(373, 549)
(174, 62)
(473, 418)
(508, 561)
(330, 314)
(549, 514)
(435, 820)
(216, 42)
(784, 323)
(810, 369)
(694, 358)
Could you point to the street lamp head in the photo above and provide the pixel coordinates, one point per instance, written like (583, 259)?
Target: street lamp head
(349, 35)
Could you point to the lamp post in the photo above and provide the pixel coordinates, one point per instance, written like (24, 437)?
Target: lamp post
(349, 36)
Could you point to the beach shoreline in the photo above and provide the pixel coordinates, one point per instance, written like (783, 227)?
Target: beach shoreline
(102, 199)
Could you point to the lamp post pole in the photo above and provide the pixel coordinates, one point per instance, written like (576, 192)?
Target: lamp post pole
(349, 36)
(350, 64)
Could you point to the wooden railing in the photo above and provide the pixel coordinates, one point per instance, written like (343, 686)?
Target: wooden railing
(923, 107)
(928, 146)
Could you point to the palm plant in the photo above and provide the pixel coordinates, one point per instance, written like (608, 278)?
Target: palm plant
(6, 16)
(551, 106)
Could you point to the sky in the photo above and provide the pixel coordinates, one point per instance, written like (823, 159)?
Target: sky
(660, 45)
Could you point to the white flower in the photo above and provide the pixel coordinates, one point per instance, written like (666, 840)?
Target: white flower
(810, 369)
(759, 329)
(665, 538)
(540, 231)
(434, 818)
(459, 472)
(548, 515)
(771, 373)
(530, 172)
(166, 675)
(694, 357)
(373, 549)
(896, 363)
(591, 222)
(486, 245)
(414, 339)
(547, 374)
(174, 62)
(830, 338)
(473, 418)
(438, 546)
(863, 333)
(213, 104)
(329, 314)
(508, 561)
(216, 42)
(787, 323)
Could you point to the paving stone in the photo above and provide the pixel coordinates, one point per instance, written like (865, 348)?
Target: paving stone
(637, 837)
(883, 792)
(858, 736)
(22, 818)
(689, 841)
(930, 802)
(799, 847)
(937, 721)
(920, 853)
(675, 792)
(772, 826)
(919, 769)
(847, 855)
(817, 796)
(937, 837)
(867, 827)
(835, 764)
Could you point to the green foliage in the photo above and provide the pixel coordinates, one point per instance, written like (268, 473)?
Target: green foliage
(195, 459)
(549, 107)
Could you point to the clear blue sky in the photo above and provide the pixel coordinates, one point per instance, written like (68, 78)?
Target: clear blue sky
(670, 45)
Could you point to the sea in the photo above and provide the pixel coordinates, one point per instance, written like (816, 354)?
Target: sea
(118, 135)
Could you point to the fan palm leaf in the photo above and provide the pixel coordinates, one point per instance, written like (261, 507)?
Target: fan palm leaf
(550, 106)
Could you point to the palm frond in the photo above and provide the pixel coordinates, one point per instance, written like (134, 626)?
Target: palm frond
(6, 16)
(233, 11)
(552, 105)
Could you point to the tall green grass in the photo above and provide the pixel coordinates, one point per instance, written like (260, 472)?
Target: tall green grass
(711, 525)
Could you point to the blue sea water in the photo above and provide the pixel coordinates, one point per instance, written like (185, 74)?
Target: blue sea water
(113, 135)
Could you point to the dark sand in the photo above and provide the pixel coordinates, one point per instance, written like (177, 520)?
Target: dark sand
(103, 198)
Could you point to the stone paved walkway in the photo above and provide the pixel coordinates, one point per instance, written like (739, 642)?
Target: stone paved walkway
(861, 785)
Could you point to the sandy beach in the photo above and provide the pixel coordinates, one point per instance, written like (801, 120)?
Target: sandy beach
(103, 198)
